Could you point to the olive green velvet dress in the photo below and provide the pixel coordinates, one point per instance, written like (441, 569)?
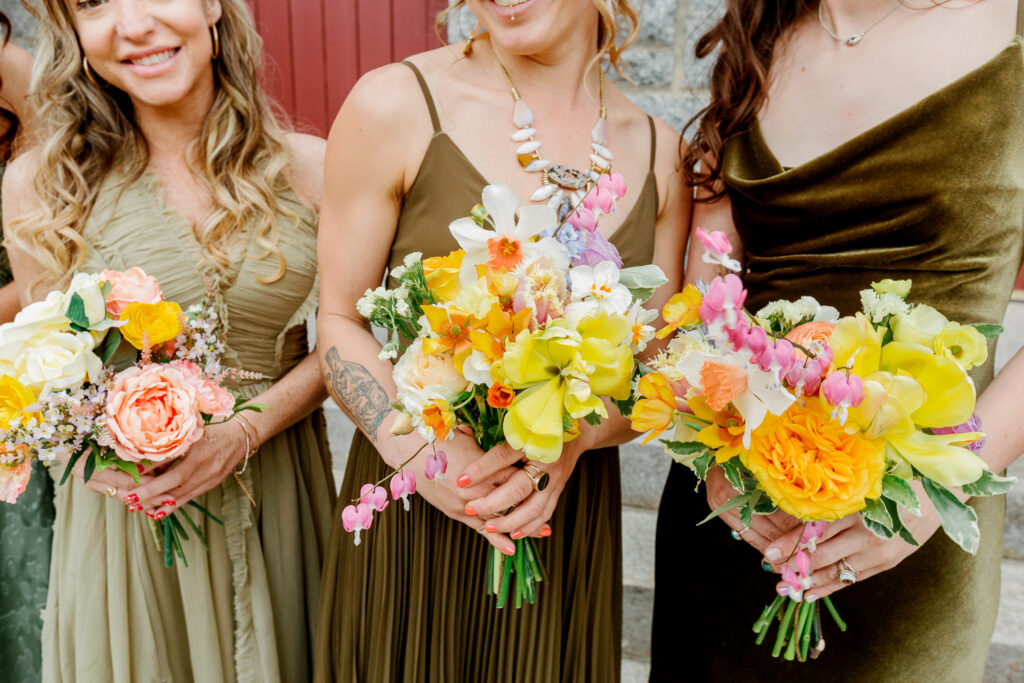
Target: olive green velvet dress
(936, 194)
(408, 604)
(246, 609)
(25, 532)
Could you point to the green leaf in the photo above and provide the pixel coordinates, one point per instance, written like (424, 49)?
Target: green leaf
(733, 473)
(90, 466)
(110, 344)
(897, 522)
(764, 506)
(461, 397)
(731, 504)
(206, 512)
(900, 491)
(874, 527)
(702, 464)
(641, 281)
(593, 419)
(685, 447)
(566, 423)
(989, 484)
(876, 511)
(959, 521)
(990, 330)
(106, 288)
(254, 407)
(71, 466)
(76, 312)
(747, 512)
(625, 407)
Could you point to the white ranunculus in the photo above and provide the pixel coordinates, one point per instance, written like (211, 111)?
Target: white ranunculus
(55, 360)
(420, 377)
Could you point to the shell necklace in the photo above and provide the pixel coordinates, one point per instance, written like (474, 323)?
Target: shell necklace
(559, 182)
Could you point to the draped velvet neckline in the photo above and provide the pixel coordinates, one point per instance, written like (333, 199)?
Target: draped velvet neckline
(878, 130)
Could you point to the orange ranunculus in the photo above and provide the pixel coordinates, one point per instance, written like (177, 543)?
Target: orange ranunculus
(156, 323)
(812, 467)
(438, 416)
(442, 273)
(724, 434)
(682, 310)
(722, 382)
(808, 333)
(656, 410)
(500, 396)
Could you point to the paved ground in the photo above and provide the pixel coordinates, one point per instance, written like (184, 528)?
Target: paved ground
(643, 473)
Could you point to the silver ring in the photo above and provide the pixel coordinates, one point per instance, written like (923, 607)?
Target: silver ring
(847, 574)
(540, 478)
(736, 535)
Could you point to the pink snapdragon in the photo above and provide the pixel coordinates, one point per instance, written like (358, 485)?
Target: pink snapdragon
(435, 465)
(403, 485)
(842, 390)
(357, 518)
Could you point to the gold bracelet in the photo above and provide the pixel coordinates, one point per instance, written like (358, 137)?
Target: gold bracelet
(252, 442)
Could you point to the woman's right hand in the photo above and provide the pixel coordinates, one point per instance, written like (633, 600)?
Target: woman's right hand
(763, 528)
(110, 482)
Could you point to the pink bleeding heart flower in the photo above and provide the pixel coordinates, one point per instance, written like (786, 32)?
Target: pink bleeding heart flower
(972, 425)
(802, 563)
(778, 357)
(842, 390)
(436, 465)
(756, 340)
(584, 219)
(614, 183)
(724, 301)
(738, 333)
(403, 485)
(792, 579)
(812, 532)
(605, 201)
(356, 518)
(717, 249)
(377, 498)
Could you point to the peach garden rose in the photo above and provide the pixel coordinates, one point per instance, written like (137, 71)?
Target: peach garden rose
(129, 287)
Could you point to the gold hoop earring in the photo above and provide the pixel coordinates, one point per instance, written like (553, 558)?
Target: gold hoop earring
(88, 72)
(215, 37)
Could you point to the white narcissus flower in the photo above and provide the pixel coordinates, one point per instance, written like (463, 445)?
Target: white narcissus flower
(600, 285)
(642, 332)
(508, 243)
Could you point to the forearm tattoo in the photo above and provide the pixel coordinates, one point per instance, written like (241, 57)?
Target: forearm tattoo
(357, 391)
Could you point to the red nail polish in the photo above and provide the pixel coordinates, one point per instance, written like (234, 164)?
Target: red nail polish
(131, 499)
(491, 529)
(141, 469)
(134, 508)
(150, 514)
(169, 503)
(509, 550)
(463, 481)
(516, 535)
(545, 532)
(159, 515)
(470, 511)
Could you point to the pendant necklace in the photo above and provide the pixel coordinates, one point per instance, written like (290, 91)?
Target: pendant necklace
(853, 40)
(559, 182)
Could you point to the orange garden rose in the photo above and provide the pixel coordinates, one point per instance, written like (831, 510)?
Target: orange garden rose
(813, 468)
(500, 396)
(152, 414)
(158, 323)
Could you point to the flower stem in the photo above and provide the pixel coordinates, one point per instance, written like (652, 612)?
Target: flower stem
(835, 615)
(395, 471)
(780, 639)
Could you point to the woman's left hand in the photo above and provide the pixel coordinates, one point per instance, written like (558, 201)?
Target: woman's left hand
(849, 540)
(206, 464)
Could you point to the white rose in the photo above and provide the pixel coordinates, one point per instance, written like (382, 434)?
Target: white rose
(54, 360)
(90, 288)
(32, 320)
(420, 377)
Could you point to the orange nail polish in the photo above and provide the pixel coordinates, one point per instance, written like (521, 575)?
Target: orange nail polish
(509, 550)
(491, 529)
(463, 481)
(470, 511)
(545, 532)
(516, 535)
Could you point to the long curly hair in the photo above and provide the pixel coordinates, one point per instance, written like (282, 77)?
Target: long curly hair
(611, 13)
(88, 133)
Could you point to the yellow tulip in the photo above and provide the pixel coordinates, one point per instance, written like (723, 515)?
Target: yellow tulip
(857, 344)
(654, 412)
(937, 457)
(949, 393)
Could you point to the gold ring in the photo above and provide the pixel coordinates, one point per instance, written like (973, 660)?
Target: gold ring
(540, 478)
(111, 491)
(847, 574)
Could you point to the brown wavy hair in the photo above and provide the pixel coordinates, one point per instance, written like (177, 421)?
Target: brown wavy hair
(746, 38)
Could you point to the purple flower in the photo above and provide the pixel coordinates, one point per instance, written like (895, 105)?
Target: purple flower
(598, 249)
(972, 425)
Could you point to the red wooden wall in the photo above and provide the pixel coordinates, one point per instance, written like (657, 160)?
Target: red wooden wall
(315, 50)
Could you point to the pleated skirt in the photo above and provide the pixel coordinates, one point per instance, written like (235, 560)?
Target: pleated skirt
(408, 604)
(928, 619)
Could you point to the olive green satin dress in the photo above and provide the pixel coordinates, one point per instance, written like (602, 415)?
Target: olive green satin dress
(936, 194)
(246, 609)
(25, 532)
(408, 603)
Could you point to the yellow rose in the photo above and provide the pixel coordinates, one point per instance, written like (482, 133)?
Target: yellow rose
(962, 343)
(14, 398)
(159, 323)
(442, 273)
(813, 468)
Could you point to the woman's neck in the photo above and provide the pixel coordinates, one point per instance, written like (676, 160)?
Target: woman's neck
(848, 17)
(170, 129)
(570, 69)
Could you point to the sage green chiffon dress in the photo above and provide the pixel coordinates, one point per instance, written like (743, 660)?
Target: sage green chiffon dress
(245, 610)
(408, 604)
(25, 536)
(936, 194)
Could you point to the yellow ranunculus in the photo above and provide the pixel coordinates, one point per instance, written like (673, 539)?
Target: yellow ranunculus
(856, 344)
(813, 468)
(15, 397)
(157, 323)
(442, 273)
(559, 371)
(963, 344)
(920, 326)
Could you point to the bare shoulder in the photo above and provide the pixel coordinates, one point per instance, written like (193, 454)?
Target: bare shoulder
(306, 170)
(19, 194)
(382, 98)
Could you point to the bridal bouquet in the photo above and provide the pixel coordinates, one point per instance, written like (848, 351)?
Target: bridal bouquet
(110, 372)
(821, 417)
(517, 336)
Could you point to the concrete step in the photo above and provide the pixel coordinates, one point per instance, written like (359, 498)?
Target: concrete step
(1006, 656)
(644, 469)
(635, 670)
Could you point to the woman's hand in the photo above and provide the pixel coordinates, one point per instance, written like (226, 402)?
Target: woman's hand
(206, 464)
(849, 540)
(111, 482)
(763, 528)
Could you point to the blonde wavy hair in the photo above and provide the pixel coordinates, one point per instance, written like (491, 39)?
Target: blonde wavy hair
(88, 132)
(608, 43)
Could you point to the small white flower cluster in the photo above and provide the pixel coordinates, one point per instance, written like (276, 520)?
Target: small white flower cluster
(782, 316)
(878, 307)
(200, 340)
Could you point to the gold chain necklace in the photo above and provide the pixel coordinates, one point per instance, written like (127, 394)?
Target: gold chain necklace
(558, 182)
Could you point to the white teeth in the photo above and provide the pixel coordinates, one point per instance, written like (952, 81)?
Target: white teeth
(150, 60)
(508, 3)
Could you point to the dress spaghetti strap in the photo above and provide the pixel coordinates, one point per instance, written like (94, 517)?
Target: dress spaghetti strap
(1020, 18)
(436, 122)
(654, 139)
